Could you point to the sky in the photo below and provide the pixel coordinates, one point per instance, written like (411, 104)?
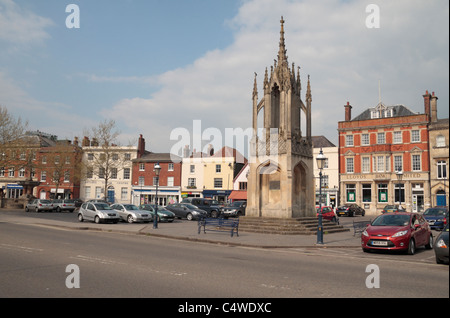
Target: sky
(156, 67)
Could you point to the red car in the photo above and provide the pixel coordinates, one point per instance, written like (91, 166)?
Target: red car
(397, 231)
(328, 214)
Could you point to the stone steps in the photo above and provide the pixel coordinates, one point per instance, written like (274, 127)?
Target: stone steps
(294, 226)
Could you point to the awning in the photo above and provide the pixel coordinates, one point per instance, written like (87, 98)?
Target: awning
(238, 195)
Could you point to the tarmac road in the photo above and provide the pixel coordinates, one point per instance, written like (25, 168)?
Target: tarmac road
(34, 257)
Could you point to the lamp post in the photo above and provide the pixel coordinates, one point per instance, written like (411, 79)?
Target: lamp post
(157, 171)
(399, 177)
(320, 163)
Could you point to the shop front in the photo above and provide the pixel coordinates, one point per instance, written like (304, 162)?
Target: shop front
(148, 195)
(219, 195)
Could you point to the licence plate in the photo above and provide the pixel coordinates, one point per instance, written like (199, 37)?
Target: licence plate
(380, 243)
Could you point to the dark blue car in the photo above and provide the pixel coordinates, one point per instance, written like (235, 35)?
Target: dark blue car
(435, 217)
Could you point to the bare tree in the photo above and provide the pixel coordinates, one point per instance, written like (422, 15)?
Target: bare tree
(104, 156)
(11, 130)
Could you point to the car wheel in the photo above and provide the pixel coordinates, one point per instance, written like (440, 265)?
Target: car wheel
(36, 210)
(411, 247)
(130, 219)
(26, 209)
(97, 220)
(214, 214)
(189, 217)
(80, 217)
(429, 246)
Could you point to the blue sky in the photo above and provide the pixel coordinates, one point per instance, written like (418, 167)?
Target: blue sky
(154, 66)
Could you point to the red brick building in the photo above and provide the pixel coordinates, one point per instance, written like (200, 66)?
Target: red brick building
(378, 144)
(59, 171)
(42, 159)
(144, 179)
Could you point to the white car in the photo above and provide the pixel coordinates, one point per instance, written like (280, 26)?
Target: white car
(97, 212)
(131, 213)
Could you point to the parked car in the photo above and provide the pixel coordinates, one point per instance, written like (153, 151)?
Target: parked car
(131, 213)
(393, 208)
(98, 201)
(78, 202)
(97, 212)
(186, 210)
(436, 217)
(212, 207)
(350, 210)
(397, 231)
(441, 247)
(64, 205)
(163, 213)
(328, 214)
(39, 205)
(237, 208)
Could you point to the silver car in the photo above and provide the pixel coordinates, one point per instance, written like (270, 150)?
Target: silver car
(64, 205)
(131, 213)
(97, 212)
(39, 205)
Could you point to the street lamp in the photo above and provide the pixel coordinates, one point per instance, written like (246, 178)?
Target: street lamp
(399, 177)
(157, 169)
(320, 163)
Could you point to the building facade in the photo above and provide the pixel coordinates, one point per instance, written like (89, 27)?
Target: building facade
(330, 173)
(39, 165)
(384, 158)
(439, 156)
(106, 171)
(145, 180)
(211, 175)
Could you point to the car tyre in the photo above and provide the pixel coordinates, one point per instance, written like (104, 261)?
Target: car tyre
(97, 219)
(130, 219)
(27, 209)
(80, 218)
(189, 217)
(214, 214)
(429, 246)
(36, 210)
(411, 247)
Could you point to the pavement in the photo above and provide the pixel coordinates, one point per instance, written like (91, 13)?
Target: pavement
(185, 230)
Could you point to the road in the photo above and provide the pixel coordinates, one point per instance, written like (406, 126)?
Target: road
(34, 260)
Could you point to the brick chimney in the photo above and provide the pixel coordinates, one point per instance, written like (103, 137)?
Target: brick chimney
(141, 146)
(426, 103)
(433, 107)
(86, 142)
(348, 112)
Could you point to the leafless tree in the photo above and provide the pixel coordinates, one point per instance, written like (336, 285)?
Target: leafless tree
(104, 156)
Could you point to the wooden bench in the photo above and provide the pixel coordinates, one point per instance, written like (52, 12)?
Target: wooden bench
(219, 224)
(359, 226)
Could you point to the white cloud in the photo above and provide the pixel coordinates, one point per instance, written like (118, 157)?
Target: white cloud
(329, 40)
(21, 27)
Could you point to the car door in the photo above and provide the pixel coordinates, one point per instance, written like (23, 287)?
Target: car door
(120, 210)
(423, 229)
(418, 230)
(90, 211)
(178, 210)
